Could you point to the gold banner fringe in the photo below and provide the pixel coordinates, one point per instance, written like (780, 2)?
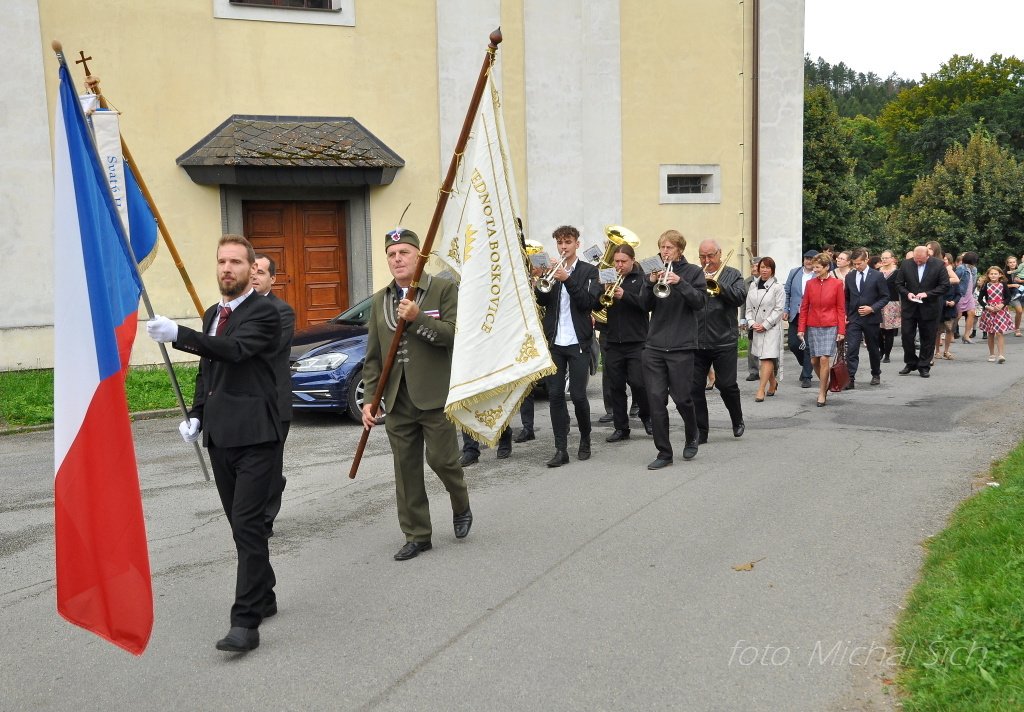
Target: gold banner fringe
(464, 403)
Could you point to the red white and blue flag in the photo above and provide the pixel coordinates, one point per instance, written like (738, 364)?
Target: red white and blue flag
(103, 575)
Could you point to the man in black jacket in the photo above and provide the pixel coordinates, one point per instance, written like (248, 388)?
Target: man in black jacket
(671, 341)
(717, 340)
(922, 282)
(624, 337)
(866, 293)
(569, 329)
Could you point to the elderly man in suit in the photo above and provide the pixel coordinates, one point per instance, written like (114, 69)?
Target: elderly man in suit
(263, 278)
(866, 294)
(416, 390)
(794, 286)
(235, 407)
(922, 282)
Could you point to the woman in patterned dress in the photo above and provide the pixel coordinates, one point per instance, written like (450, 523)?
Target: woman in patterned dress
(891, 311)
(994, 296)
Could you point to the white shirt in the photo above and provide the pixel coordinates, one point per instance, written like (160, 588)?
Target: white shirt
(805, 277)
(565, 334)
(862, 277)
(233, 304)
(920, 273)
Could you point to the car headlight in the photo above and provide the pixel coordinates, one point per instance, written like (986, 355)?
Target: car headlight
(322, 362)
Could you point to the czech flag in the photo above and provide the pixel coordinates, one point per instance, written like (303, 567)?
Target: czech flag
(103, 575)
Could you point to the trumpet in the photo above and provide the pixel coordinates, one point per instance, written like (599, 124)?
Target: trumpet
(714, 289)
(607, 299)
(661, 287)
(547, 282)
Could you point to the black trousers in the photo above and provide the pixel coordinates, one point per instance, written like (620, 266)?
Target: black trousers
(871, 334)
(243, 476)
(472, 445)
(724, 362)
(623, 363)
(670, 373)
(573, 363)
(794, 346)
(279, 481)
(925, 329)
(526, 412)
(888, 339)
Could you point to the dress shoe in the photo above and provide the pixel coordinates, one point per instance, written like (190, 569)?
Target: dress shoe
(753, 377)
(690, 451)
(850, 386)
(560, 458)
(412, 549)
(648, 428)
(659, 463)
(885, 359)
(772, 391)
(504, 453)
(462, 523)
(702, 438)
(584, 452)
(875, 380)
(469, 459)
(905, 370)
(524, 435)
(617, 436)
(606, 418)
(240, 640)
(737, 431)
(805, 383)
(925, 372)
(270, 609)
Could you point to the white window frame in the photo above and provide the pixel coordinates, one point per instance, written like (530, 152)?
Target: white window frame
(713, 171)
(342, 13)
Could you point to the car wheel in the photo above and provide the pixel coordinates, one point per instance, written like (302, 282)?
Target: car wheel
(355, 396)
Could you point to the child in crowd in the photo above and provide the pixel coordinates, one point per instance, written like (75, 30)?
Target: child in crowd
(993, 297)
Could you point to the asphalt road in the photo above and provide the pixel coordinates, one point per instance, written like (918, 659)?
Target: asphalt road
(596, 586)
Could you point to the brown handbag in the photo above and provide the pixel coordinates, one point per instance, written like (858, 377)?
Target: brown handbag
(839, 374)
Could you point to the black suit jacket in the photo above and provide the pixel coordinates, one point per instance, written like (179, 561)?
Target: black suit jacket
(282, 360)
(874, 294)
(935, 284)
(236, 387)
(584, 288)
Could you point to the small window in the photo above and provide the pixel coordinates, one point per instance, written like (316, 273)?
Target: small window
(690, 183)
(300, 12)
(297, 4)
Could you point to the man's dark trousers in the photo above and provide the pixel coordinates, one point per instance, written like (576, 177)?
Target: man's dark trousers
(794, 345)
(724, 361)
(872, 336)
(669, 373)
(278, 481)
(243, 475)
(572, 362)
(925, 329)
(622, 365)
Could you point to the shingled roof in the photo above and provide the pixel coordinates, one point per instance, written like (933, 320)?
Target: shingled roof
(294, 150)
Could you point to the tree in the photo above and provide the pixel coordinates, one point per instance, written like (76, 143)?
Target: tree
(972, 200)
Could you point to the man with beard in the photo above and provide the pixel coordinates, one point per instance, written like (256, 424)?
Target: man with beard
(235, 410)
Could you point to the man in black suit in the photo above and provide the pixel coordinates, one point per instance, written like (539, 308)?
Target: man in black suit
(922, 282)
(569, 328)
(263, 279)
(235, 407)
(866, 294)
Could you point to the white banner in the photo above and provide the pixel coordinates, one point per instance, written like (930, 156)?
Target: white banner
(107, 132)
(500, 348)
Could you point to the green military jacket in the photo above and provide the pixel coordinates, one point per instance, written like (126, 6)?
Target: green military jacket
(424, 355)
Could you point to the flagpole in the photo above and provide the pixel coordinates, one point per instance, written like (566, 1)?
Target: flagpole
(126, 243)
(435, 222)
(93, 84)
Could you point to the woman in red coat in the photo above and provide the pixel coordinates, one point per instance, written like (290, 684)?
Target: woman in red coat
(822, 320)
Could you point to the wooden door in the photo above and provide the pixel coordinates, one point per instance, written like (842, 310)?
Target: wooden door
(307, 242)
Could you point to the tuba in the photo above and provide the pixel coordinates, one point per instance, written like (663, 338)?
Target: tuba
(617, 235)
(714, 289)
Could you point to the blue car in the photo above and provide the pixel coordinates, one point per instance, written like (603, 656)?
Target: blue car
(327, 363)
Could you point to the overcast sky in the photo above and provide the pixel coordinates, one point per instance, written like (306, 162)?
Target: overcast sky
(911, 36)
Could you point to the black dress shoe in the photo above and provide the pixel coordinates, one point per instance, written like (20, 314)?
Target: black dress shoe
(875, 380)
(412, 549)
(606, 418)
(617, 436)
(560, 458)
(753, 377)
(524, 435)
(240, 640)
(648, 428)
(702, 439)
(584, 452)
(659, 463)
(504, 453)
(690, 451)
(850, 386)
(468, 459)
(737, 431)
(805, 383)
(925, 372)
(462, 523)
(885, 359)
(905, 370)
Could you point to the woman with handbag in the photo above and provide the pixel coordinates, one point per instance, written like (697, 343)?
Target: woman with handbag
(766, 300)
(822, 321)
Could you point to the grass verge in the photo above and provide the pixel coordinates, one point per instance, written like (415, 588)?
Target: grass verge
(962, 635)
(26, 397)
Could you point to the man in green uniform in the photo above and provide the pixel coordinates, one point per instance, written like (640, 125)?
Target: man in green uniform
(416, 390)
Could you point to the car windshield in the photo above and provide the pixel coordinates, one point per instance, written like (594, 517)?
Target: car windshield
(359, 314)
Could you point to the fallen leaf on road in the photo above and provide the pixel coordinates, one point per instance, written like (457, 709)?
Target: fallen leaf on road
(749, 566)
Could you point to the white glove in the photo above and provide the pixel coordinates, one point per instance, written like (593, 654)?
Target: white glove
(189, 429)
(162, 329)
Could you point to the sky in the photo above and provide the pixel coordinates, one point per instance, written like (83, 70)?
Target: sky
(911, 37)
